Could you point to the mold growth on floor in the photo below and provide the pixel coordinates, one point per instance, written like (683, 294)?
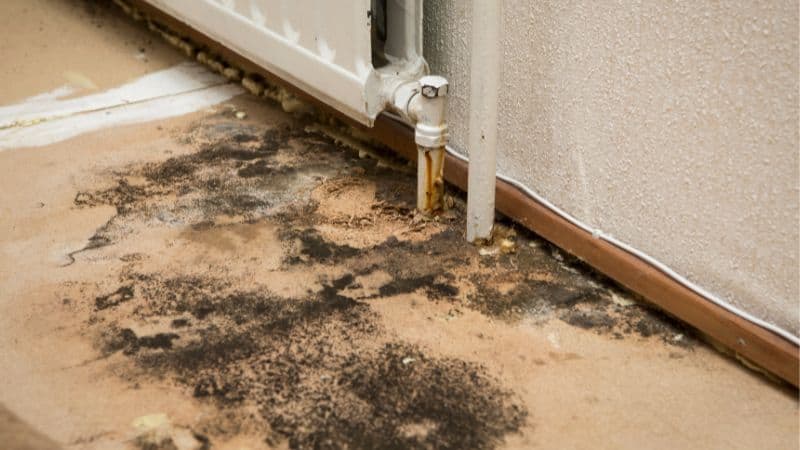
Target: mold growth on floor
(258, 300)
(319, 370)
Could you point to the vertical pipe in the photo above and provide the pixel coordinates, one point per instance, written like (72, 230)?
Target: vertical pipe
(484, 89)
(430, 178)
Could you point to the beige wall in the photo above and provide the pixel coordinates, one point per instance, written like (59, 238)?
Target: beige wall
(671, 125)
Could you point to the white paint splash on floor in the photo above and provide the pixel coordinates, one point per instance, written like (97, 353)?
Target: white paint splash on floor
(44, 119)
(55, 94)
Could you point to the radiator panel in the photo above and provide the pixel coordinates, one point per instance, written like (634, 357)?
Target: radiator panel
(321, 47)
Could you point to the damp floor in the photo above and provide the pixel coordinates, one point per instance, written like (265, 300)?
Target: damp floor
(238, 277)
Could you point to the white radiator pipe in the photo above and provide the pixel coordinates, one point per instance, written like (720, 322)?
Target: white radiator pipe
(484, 89)
(424, 104)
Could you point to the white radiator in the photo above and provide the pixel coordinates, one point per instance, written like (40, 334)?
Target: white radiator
(324, 47)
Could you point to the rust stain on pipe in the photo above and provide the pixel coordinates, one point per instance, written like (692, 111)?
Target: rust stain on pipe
(428, 181)
(434, 179)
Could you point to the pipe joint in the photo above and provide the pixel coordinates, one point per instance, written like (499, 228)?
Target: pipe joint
(424, 103)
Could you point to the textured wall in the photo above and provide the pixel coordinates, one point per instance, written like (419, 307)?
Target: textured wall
(447, 26)
(673, 126)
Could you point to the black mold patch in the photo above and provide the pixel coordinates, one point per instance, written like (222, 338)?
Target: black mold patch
(179, 323)
(256, 169)
(652, 322)
(529, 296)
(331, 291)
(231, 173)
(577, 298)
(314, 248)
(126, 340)
(237, 148)
(428, 283)
(589, 319)
(244, 137)
(233, 203)
(123, 294)
(320, 369)
(222, 152)
(579, 303)
(262, 168)
(171, 170)
(122, 196)
(404, 388)
(158, 340)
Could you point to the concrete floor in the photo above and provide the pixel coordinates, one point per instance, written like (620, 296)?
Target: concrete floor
(218, 281)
